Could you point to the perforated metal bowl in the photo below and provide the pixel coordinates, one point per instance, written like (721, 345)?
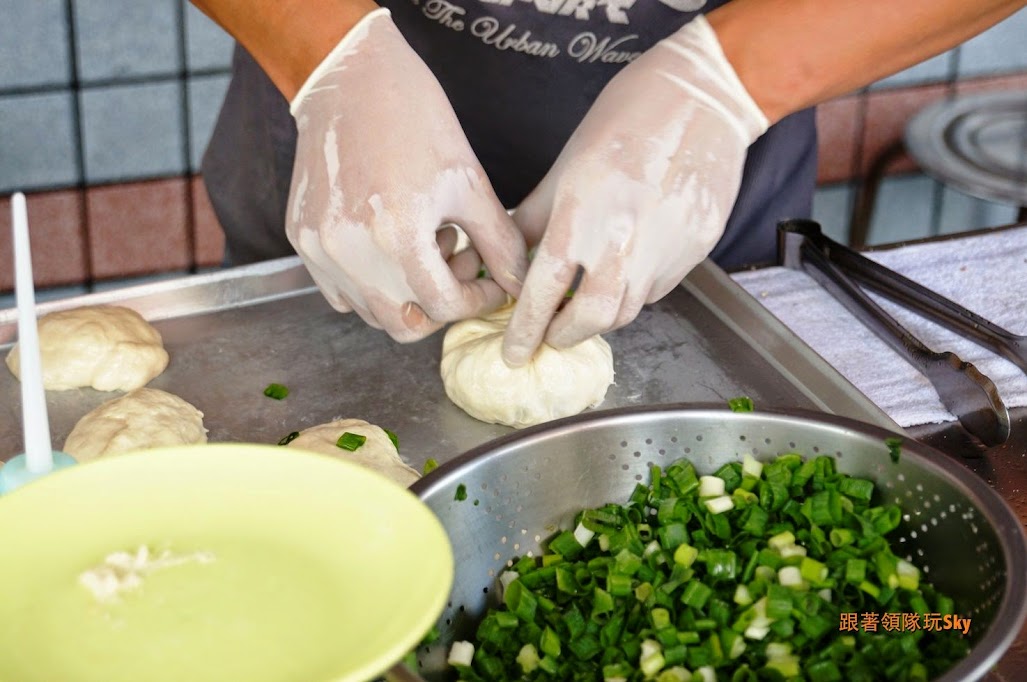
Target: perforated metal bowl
(522, 488)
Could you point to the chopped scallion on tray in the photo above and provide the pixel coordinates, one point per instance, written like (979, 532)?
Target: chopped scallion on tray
(777, 570)
(742, 404)
(276, 391)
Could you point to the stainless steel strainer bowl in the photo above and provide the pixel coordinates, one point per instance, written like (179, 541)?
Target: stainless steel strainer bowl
(522, 488)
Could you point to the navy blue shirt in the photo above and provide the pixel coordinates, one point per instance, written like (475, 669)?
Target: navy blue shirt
(520, 74)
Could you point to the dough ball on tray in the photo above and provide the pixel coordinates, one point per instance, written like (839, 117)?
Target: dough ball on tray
(377, 451)
(554, 384)
(109, 348)
(142, 419)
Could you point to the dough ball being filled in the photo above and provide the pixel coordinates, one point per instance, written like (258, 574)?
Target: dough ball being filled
(145, 418)
(554, 384)
(377, 452)
(106, 347)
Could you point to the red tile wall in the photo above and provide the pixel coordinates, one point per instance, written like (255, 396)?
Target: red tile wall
(838, 125)
(134, 229)
(57, 238)
(208, 239)
(854, 130)
(138, 228)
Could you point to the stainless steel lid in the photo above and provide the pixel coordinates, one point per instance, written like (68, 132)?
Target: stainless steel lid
(975, 143)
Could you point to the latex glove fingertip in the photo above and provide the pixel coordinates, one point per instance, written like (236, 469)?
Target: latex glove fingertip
(516, 356)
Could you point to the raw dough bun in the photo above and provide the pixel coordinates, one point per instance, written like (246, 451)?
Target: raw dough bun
(145, 418)
(377, 453)
(554, 384)
(107, 347)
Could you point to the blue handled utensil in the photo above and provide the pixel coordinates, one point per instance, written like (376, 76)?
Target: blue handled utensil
(39, 457)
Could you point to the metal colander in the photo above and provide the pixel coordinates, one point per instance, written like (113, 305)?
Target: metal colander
(522, 488)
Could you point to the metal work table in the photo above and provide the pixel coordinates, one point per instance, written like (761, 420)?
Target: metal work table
(233, 332)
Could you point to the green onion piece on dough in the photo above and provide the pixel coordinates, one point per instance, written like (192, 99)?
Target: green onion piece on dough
(276, 391)
(742, 404)
(350, 441)
(393, 437)
(290, 438)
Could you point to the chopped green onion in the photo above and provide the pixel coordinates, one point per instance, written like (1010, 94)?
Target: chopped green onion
(566, 544)
(737, 576)
(752, 466)
(461, 493)
(651, 659)
(908, 575)
(696, 594)
(528, 658)
(276, 391)
(719, 505)
(711, 486)
(430, 466)
(857, 488)
(894, 448)
(685, 555)
(855, 571)
(841, 537)
(290, 438)
(461, 653)
(393, 437)
(550, 643)
(741, 404)
(583, 535)
(781, 540)
(778, 602)
(742, 596)
(789, 576)
(520, 600)
(602, 603)
(813, 571)
(350, 441)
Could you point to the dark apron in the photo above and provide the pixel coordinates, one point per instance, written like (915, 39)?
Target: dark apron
(520, 74)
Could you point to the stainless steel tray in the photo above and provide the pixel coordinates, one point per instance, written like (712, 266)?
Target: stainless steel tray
(232, 332)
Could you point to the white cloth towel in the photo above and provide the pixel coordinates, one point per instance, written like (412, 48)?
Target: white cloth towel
(985, 273)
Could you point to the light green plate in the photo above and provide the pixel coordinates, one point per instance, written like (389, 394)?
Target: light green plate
(320, 570)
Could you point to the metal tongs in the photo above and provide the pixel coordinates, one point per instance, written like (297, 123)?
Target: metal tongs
(967, 393)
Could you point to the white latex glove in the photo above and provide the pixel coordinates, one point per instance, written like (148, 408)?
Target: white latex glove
(639, 195)
(381, 164)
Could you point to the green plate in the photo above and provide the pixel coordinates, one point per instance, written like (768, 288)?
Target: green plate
(293, 567)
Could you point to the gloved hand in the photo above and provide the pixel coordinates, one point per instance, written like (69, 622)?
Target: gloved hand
(639, 195)
(381, 164)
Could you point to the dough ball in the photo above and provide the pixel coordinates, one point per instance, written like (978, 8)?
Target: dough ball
(145, 418)
(554, 384)
(107, 347)
(377, 453)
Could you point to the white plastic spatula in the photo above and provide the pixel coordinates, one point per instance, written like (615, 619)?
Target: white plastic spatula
(39, 457)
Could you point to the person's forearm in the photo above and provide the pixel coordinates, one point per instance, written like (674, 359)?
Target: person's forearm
(791, 54)
(288, 38)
